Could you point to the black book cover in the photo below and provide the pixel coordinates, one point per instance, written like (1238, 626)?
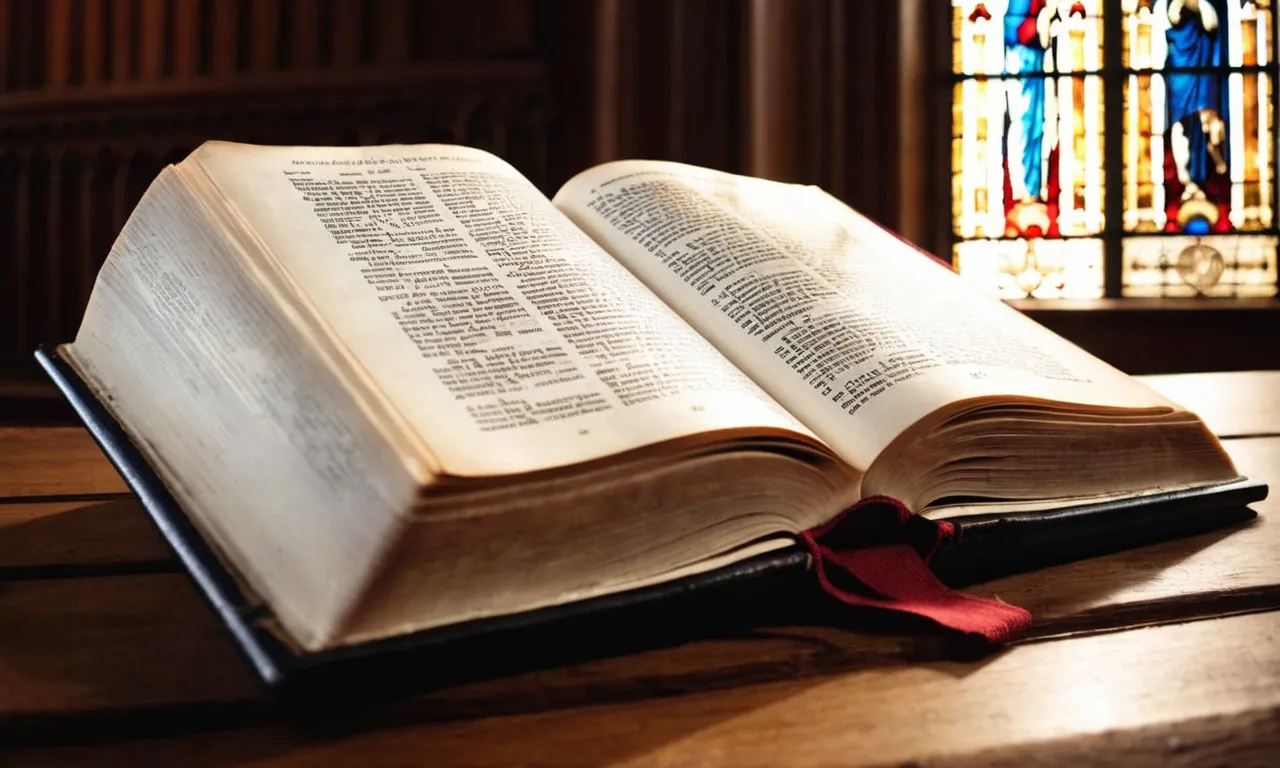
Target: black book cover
(771, 589)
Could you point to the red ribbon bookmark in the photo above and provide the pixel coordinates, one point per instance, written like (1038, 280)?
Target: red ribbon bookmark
(884, 550)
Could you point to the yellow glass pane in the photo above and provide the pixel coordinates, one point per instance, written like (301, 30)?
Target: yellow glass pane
(1042, 268)
(1214, 265)
(1051, 182)
(1009, 37)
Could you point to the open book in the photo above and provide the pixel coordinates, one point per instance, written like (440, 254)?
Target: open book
(397, 388)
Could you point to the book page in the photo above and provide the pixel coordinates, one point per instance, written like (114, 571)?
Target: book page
(851, 329)
(206, 375)
(503, 335)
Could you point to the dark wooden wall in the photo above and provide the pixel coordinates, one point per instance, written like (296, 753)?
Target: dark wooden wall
(795, 90)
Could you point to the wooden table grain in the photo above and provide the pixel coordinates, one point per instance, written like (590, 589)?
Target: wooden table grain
(1155, 696)
(1165, 655)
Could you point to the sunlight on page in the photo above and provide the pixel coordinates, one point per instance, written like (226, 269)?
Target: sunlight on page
(852, 330)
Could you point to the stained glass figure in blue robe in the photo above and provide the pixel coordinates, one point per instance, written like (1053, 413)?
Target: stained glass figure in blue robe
(1025, 42)
(1197, 130)
(1031, 36)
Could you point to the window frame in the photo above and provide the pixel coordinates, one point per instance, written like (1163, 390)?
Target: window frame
(1113, 76)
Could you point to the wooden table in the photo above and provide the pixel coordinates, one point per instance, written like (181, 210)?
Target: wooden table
(1166, 655)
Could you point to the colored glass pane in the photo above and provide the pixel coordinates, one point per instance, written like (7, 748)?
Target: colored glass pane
(1028, 164)
(1038, 268)
(1211, 265)
(999, 37)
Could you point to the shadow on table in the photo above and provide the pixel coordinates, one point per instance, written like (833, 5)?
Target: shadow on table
(70, 539)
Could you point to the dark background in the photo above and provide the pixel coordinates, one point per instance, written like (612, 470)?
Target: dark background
(97, 95)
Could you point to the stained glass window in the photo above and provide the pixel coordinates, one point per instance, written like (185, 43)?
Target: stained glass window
(1114, 147)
